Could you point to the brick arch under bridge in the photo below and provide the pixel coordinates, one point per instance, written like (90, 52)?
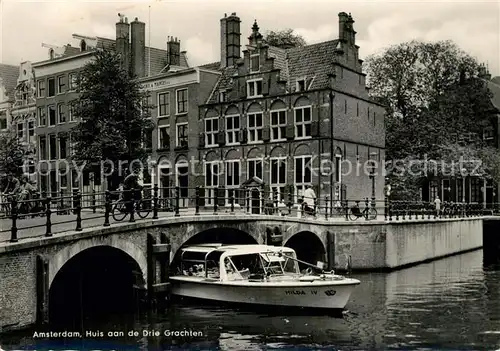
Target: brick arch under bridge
(65, 254)
(181, 234)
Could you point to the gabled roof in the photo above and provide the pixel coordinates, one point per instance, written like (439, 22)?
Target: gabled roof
(315, 62)
(9, 75)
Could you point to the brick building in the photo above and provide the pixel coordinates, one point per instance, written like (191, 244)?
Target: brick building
(8, 82)
(23, 114)
(275, 113)
(56, 92)
(471, 189)
(176, 94)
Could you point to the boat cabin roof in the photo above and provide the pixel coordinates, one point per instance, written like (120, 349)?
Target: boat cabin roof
(235, 250)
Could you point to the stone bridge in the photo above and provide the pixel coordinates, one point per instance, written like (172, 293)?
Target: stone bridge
(111, 262)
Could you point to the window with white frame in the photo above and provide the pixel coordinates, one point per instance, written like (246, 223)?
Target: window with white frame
(211, 130)
(303, 122)
(182, 101)
(61, 117)
(52, 87)
(20, 130)
(232, 129)
(42, 147)
(254, 88)
(52, 147)
(278, 177)
(71, 111)
(255, 127)
(254, 168)
(73, 81)
(278, 125)
(164, 137)
(41, 88)
(163, 104)
(211, 180)
(232, 179)
(31, 130)
(52, 115)
(255, 62)
(63, 147)
(182, 135)
(61, 84)
(42, 117)
(302, 173)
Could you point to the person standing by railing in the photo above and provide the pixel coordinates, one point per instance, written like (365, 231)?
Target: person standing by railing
(437, 205)
(309, 200)
(13, 187)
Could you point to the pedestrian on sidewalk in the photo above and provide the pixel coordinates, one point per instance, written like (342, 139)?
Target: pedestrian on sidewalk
(437, 205)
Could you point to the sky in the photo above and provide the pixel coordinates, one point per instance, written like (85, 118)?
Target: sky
(473, 25)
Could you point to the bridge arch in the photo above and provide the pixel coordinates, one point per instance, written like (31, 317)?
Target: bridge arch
(308, 246)
(62, 257)
(91, 279)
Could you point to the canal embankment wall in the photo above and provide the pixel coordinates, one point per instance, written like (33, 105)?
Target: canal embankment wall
(389, 246)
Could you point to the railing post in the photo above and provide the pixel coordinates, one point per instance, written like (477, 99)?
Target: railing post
(48, 212)
(78, 210)
(326, 208)
(155, 202)
(247, 199)
(390, 209)
(13, 213)
(93, 201)
(231, 201)
(290, 203)
(346, 210)
(216, 200)
(131, 205)
(62, 203)
(177, 201)
(367, 203)
(107, 207)
(197, 201)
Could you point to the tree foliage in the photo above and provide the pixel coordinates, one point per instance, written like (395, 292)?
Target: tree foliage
(112, 112)
(285, 39)
(437, 104)
(12, 153)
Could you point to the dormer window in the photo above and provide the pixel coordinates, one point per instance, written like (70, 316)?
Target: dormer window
(255, 62)
(83, 45)
(254, 88)
(301, 85)
(222, 96)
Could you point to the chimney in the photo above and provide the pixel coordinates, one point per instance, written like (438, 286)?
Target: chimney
(173, 51)
(230, 47)
(343, 18)
(346, 28)
(138, 48)
(122, 41)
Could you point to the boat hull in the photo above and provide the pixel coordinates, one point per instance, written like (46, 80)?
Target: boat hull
(322, 295)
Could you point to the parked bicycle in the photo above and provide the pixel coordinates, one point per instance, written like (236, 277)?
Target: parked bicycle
(355, 212)
(120, 211)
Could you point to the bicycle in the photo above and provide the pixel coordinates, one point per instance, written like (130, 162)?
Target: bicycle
(369, 212)
(120, 211)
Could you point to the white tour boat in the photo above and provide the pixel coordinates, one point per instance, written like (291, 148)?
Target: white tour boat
(257, 274)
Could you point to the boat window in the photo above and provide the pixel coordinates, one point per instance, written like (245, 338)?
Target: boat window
(232, 272)
(213, 269)
(193, 268)
(247, 265)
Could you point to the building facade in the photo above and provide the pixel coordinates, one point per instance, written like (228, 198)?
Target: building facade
(176, 96)
(23, 114)
(56, 80)
(469, 188)
(291, 117)
(8, 82)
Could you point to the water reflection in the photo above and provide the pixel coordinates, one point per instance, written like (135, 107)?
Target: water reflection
(452, 303)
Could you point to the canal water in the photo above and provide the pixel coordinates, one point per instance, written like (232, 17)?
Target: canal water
(453, 303)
